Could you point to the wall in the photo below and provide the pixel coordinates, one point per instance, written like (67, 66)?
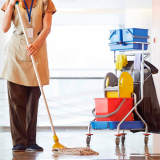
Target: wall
(156, 55)
(156, 46)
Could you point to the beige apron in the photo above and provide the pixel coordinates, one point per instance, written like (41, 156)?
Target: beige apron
(18, 67)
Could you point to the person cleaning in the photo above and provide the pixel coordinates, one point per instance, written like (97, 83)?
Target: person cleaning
(23, 89)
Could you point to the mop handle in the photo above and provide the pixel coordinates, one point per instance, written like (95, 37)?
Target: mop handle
(36, 72)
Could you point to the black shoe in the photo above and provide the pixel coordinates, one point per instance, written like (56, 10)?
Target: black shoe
(34, 147)
(19, 148)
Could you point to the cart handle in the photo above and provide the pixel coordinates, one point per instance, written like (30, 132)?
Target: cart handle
(137, 36)
(111, 35)
(108, 115)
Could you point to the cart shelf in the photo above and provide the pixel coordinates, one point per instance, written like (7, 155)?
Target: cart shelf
(113, 125)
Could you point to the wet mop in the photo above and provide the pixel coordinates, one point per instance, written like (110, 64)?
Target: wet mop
(57, 146)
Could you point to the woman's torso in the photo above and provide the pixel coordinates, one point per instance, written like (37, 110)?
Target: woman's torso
(18, 66)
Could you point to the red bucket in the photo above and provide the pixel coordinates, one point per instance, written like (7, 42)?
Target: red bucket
(105, 106)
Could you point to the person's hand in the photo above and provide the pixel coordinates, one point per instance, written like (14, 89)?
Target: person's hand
(31, 49)
(12, 2)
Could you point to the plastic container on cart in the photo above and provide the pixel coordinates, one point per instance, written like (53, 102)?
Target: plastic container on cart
(114, 124)
(127, 125)
(132, 34)
(100, 124)
(116, 36)
(129, 46)
(105, 106)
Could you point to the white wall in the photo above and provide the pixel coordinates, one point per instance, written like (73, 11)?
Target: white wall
(156, 46)
(101, 4)
(156, 57)
(90, 17)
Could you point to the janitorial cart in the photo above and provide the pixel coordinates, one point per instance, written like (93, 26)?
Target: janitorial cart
(115, 110)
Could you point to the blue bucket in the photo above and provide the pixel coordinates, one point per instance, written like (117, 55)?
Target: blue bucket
(135, 35)
(100, 124)
(127, 125)
(115, 36)
(130, 46)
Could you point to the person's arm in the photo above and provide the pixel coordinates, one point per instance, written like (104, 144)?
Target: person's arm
(6, 19)
(47, 22)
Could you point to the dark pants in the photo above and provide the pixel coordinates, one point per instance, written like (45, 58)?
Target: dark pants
(23, 105)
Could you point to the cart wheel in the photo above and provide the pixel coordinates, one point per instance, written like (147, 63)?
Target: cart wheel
(117, 141)
(146, 140)
(123, 139)
(88, 139)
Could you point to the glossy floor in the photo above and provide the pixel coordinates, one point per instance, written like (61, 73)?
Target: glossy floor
(103, 141)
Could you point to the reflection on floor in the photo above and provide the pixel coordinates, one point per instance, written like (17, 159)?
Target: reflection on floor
(102, 141)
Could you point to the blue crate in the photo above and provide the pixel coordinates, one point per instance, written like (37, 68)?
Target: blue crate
(127, 37)
(116, 36)
(130, 46)
(127, 125)
(113, 125)
(99, 124)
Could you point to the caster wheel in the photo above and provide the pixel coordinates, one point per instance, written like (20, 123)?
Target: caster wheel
(88, 139)
(117, 141)
(146, 140)
(123, 139)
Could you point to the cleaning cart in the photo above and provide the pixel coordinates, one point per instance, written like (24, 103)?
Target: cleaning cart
(115, 111)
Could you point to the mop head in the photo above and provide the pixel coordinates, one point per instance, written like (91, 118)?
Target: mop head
(60, 149)
(57, 144)
(74, 151)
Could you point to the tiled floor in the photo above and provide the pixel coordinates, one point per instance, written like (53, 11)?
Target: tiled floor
(103, 141)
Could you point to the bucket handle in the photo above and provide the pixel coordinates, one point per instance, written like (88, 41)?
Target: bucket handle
(108, 115)
(111, 34)
(137, 36)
